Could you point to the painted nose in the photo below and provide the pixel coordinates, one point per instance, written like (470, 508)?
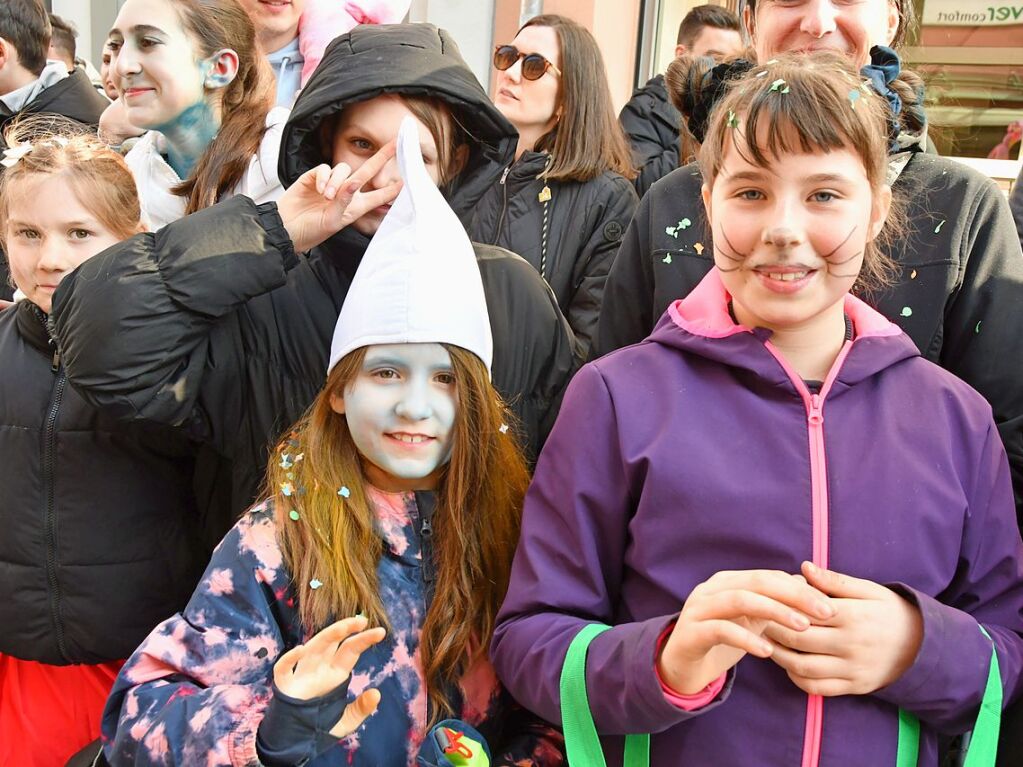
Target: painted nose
(781, 236)
(414, 404)
(819, 18)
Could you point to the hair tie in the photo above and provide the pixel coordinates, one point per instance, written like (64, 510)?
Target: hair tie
(884, 68)
(712, 88)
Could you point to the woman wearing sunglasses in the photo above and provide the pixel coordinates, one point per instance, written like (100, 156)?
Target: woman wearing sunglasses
(566, 200)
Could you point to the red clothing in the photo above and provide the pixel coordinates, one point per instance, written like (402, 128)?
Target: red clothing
(48, 713)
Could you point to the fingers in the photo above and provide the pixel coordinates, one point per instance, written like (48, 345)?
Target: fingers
(353, 647)
(828, 688)
(286, 664)
(838, 584)
(326, 640)
(363, 202)
(779, 586)
(810, 665)
(356, 712)
(722, 632)
(738, 603)
(337, 177)
(821, 640)
(369, 169)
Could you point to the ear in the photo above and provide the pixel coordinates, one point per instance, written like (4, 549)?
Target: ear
(893, 21)
(879, 208)
(748, 22)
(6, 52)
(222, 68)
(337, 402)
(680, 50)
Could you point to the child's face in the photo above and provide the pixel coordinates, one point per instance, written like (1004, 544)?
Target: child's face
(362, 129)
(789, 239)
(155, 64)
(49, 233)
(401, 413)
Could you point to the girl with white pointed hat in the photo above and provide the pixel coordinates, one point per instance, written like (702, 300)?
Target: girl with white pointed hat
(393, 505)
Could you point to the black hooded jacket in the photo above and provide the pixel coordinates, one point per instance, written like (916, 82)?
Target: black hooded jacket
(99, 522)
(216, 325)
(652, 124)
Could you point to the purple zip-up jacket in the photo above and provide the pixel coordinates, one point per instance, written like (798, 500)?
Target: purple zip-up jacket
(699, 450)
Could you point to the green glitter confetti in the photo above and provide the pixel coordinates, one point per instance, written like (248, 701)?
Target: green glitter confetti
(733, 120)
(667, 259)
(977, 329)
(671, 231)
(294, 515)
(685, 223)
(906, 311)
(938, 227)
(776, 86)
(315, 583)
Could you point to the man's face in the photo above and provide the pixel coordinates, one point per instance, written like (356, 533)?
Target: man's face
(717, 43)
(276, 21)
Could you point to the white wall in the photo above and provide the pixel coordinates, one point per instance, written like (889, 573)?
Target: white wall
(470, 23)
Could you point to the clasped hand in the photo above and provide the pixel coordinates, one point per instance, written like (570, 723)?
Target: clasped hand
(832, 633)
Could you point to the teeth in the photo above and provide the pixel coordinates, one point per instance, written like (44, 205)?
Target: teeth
(787, 276)
(412, 439)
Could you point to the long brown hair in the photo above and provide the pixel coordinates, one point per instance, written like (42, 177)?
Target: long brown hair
(245, 101)
(335, 540)
(824, 107)
(587, 139)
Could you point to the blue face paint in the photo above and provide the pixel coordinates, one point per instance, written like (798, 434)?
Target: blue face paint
(188, 135)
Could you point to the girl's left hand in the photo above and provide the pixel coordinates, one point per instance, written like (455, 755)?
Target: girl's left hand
(869, 643)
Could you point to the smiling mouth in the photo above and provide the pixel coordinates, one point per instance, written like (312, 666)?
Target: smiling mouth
(410, 439)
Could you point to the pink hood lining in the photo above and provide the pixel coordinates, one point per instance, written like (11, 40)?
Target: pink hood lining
(704, 312)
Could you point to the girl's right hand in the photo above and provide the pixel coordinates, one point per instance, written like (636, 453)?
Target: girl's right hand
(725, 617)
(319, 666)
(325, 200)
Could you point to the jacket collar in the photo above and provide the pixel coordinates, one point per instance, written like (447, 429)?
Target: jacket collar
(31, 323)
(701, 324)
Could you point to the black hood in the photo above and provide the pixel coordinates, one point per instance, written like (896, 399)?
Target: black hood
(415, 59)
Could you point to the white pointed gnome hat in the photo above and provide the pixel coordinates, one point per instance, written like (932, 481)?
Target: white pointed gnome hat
(418, 281)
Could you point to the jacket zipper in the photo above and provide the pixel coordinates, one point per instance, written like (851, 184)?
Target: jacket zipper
(814, 404)
(504, 203)
(49, 459)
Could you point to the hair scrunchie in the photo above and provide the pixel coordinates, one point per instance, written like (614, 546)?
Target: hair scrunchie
(884, 68)
(697, 105)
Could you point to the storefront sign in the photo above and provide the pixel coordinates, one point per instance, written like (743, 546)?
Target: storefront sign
(973, 13)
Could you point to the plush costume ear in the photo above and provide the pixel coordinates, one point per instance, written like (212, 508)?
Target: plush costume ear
(323, 20)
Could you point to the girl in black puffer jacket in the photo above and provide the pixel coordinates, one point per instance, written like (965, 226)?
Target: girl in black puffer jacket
(99, 538)
(565, 202)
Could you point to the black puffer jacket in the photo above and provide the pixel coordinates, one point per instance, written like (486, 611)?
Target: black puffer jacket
(652, 124)
(586, 221)
(97, 516)
(222, 329)
(959, 295)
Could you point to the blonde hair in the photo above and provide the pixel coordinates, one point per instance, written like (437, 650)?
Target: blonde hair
(97, 175)
(335, 540)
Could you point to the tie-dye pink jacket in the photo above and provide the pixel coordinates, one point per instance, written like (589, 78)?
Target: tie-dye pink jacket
(195, 690)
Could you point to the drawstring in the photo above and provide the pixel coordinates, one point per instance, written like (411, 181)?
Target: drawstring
(545, 197)
(280, 78)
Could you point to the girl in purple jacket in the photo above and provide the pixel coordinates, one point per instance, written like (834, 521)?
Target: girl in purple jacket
(800, 531)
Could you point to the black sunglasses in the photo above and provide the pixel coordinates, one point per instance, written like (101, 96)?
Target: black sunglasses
(534, 66)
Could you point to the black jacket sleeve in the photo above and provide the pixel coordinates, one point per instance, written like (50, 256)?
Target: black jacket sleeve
(1016, 204)
(983, 328)
(626, 314)
(653, 131)
(152, 329)
(612, 206)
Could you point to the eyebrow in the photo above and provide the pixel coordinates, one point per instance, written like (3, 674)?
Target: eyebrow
(372, 361)
(139, 29)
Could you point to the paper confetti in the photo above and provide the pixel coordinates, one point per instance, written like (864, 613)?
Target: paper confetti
(698, 247)
(286, 462)
(733, 120)
(762, 74)
(672, 231)
(299, 457)
(667, 259)
(288, 489)
(854, 96)
(938, 227)
(912, 275)
(906, 311)
(685, 223)
(977, 329)
(504, 428)
(776, 86)
(344, 492)
(315, 584)
(294, 515)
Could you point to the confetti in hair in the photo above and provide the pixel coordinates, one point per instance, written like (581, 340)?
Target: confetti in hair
(777, 86)
(733, 119)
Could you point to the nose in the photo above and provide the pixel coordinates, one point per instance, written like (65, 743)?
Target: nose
(414, 404)
(53, 255)
(818, 18)
(386, 175)
(124, 61)
(781, 236)
(514, 72)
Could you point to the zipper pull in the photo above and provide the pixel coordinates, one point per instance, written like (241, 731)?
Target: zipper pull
(426, 531)
(55, 363)
(504, 176)
(816, 415)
